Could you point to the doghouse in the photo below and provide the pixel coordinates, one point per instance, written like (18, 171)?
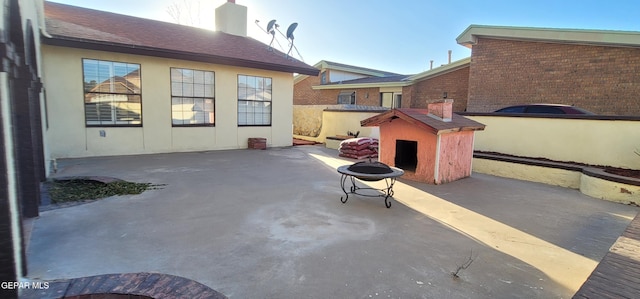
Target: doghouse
(431, 145)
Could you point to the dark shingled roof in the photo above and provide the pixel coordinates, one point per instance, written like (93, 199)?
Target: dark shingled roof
(72, 26)
(421, 118)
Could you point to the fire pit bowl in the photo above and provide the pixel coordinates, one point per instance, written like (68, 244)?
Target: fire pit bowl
(369, 168)
(369, 171)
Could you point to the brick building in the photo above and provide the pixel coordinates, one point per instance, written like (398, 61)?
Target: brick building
(211, 89)
(340, 83)
(448, 81)
(592, 69)
(377, 88)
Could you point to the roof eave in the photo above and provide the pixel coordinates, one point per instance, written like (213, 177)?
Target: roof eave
(376, 120)
(461, 129)
(390, 115)
(361, 85)
(612, 38)
(323, 64)
(164, 53)
(357, 71)
(297, 78)
(454, 66)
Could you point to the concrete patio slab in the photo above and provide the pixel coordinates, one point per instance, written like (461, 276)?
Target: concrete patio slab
(269, 224)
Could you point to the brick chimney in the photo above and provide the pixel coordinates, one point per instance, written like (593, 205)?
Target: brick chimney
(232, 18)
(442, 110)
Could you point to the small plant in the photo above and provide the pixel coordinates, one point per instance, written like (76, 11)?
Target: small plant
(464, 265)
(84, 189)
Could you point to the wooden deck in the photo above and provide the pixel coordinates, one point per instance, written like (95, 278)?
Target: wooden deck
(618, 274)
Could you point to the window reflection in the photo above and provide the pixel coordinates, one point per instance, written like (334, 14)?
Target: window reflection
(112, 93)
(192, 97)
(254, 100)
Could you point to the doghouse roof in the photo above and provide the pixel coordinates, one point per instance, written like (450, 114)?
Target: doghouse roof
(421, 118)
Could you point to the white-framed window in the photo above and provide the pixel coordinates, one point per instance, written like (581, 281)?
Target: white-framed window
(347, 97)
(112, 94)
(254, 100)
(390, 99)
(192, 97)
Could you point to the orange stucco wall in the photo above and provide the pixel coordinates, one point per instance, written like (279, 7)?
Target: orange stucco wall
(401, 130)
(456, 154)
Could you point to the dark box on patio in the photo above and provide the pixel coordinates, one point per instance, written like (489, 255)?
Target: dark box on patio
(258, 143)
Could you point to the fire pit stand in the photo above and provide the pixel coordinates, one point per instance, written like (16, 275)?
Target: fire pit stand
(369, 171)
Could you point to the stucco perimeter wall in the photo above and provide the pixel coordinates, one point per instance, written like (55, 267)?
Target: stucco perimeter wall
(590, 141)
(609, 190)
(339, 122)
(68, 136)
(590, 181)
(547, 175)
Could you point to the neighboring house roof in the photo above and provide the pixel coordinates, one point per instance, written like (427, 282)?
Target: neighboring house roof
(441, 70)
(470, 36)
(72, 26)
(119, 85)
(390, 81)
(129, 83)
(397, 80)
(324, 64)
(421, 118)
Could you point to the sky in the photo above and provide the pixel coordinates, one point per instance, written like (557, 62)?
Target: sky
(389, 35)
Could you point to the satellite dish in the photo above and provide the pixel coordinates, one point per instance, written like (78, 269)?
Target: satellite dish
(272, 31)
(270, 26)
(290, 30)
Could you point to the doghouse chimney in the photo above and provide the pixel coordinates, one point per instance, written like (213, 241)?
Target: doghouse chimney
(232, 18)
(442, 110)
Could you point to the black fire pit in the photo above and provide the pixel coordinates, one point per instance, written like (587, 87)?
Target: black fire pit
(369, 171)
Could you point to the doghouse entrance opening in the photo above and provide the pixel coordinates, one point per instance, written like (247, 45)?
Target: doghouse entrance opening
(406, 154)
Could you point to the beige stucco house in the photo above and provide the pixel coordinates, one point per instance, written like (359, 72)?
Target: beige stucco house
(119, 85)
(76, 82)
